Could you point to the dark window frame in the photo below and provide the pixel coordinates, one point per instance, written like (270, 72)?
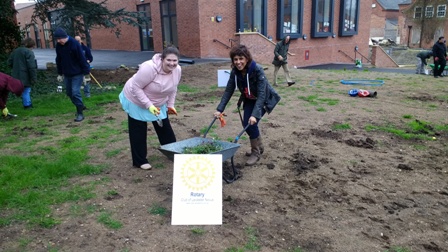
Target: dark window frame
(142, 9)
(343, 33)
(240, 16)
(314, 21)
(170, 16)
(416, 12)
(281, 20)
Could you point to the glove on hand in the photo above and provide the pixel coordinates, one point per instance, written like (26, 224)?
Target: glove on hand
(436, 59)
(154, 110)
(172, 111)
(5, 112)
(60, 78)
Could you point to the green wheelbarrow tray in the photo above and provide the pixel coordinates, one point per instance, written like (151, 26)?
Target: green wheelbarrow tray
(227, 151)
(432, 66)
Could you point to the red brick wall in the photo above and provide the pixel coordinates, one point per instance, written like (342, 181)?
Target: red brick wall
(378, 19)
(197, 30)
(211, 30)
(129, 35)
(381, 59)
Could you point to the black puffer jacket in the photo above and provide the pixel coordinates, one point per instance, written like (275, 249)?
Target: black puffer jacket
(439, 51)
(259, 89)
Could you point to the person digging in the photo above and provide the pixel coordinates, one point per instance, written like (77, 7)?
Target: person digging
(8, 84)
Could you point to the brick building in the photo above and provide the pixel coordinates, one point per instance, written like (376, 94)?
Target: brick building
(433, 14)
(384, 20)
(322, 31)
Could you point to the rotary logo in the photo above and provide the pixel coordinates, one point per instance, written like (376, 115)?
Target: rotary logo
(198, 173)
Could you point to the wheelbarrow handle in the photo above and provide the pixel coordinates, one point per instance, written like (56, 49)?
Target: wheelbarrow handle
(210, 126)
(242, 132)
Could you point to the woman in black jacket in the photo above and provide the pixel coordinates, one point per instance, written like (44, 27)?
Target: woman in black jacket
(257, 95)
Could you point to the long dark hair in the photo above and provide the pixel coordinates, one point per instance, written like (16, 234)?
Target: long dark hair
(240, 50)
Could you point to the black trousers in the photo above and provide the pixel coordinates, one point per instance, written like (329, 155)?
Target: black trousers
(442, 64)
(138, 131)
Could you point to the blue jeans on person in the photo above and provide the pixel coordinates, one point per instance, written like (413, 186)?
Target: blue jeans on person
(87, 89)
(26, 97)
(73, 88)
(248, 107)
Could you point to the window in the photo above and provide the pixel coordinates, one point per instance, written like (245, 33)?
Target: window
(251, 16)
(169, 22)
(418, 12)
(146, 35)
(415, 38)
(348, 21)
(322, 18)
(441, 11)
(429, 11)
(289, 18)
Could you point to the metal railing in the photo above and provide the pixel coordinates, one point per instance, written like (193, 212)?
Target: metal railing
(222, 43)
(364, 57)
(346, 55)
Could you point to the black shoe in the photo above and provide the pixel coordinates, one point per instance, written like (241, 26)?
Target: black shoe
(291, 83)
(79, 117)
(436, 76)
(28, 107)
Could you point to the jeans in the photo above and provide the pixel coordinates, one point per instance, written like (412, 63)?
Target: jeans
(26, 97)
(420, 66)
(73, 88)
(87, 89)
(252, 130)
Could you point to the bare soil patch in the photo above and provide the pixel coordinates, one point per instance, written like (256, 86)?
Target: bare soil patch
(316, 187)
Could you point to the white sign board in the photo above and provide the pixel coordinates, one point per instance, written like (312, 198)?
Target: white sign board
(223, 77)
(197, 189)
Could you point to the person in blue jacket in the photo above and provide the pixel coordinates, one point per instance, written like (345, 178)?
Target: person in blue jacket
(89, 58)
(72, 66)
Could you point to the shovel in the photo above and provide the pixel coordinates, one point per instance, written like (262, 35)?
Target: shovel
(10, 116)
(159, 121)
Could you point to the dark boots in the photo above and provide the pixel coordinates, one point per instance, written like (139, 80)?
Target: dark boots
(255, 152)
(79, 115)
(260, 145)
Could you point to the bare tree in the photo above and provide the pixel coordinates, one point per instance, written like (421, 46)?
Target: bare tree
(419, 14)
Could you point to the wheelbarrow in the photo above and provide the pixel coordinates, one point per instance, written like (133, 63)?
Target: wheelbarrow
(227, 150)
(432, 66)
